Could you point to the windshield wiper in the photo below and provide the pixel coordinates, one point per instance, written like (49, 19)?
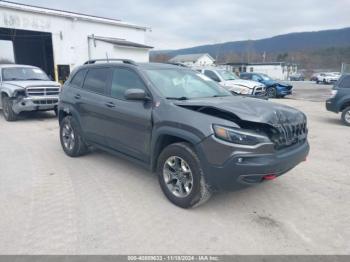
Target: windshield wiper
(13, 79)
(178, 98)
(36, 79)
(219, 96)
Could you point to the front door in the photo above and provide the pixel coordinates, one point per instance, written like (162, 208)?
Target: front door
(129, 126)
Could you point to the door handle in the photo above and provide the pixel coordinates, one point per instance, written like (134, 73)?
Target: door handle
(110, 104)
(77, 96)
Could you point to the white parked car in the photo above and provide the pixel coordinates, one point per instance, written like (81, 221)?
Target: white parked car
(327, 78)
(233, 83)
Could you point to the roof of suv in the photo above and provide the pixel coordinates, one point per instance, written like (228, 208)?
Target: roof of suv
(15, 65)
(139, 65)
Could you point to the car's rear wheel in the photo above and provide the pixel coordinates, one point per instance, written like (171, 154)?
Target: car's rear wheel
(7, 110)
(272, 92)
(345, 116)
(71, 138)
(181, 177)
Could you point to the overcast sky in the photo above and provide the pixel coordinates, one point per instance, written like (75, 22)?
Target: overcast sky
(186, 23)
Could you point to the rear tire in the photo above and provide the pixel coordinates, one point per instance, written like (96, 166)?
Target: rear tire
(71, 138)
(7, 110)
(181, 177)
(345, 116)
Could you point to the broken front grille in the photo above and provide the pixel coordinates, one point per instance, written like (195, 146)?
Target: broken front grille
(289, 134)
(46, 102)
(43, 91)
(259, 91)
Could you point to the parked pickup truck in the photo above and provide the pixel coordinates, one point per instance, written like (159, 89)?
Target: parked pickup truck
(26, 88)
(192, 132)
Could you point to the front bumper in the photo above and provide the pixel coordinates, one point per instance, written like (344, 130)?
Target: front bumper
(233, 168)
(44, 103)
(283, 90)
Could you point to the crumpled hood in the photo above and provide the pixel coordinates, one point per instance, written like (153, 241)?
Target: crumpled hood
(247, 83)
(274, 82)
(33, 83)
(250, 109)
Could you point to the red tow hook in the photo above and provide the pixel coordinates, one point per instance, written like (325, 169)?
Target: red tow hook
(269, 177)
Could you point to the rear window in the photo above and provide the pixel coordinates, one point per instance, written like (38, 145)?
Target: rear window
(345, 82)
(96, 80)
(78, 79)
(245, 76)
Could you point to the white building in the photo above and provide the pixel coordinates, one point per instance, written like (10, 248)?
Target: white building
(57, 41)
(276, 70)
(193, 60)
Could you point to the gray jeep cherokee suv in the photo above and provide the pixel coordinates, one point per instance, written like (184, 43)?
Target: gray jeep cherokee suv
(196, 135)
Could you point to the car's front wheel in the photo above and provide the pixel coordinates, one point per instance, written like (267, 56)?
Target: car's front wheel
(181, 176)
(345, 116)
(71, 138)
(272, 92)
(7, 110)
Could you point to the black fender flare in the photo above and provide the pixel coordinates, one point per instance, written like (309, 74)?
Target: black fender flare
(182, 134)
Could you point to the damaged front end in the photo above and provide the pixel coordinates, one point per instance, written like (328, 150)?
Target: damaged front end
(251, 142)
(283, 130)
(35, 99)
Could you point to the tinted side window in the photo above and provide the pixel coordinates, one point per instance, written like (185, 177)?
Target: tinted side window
(96, 80)
(245, 76)
(345, 82)
(212, 75)
(256, 78)
(78, 79)
(124, 79)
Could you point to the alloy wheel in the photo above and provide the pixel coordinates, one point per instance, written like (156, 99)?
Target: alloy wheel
(68, 137)
(178, 176)
(347, 116)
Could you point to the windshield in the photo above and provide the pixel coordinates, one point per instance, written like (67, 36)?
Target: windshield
(184, 84)
(23, 73)
(266, 77)
(227, 75)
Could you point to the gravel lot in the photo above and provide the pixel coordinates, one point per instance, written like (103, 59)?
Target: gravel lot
(100, 204)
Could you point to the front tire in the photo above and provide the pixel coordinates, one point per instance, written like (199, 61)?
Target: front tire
(71, 138)
(7, 110)
(345, 116)
(181, 177)
(272, 92)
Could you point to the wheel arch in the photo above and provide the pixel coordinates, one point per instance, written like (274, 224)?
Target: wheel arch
(344, 105)
(168, 136)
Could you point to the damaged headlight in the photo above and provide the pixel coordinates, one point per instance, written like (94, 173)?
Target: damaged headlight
(239, 136)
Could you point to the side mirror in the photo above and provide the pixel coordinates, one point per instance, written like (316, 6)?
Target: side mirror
(136, 94)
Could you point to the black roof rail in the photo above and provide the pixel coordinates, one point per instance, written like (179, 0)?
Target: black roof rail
(176, 64)
(125, 61)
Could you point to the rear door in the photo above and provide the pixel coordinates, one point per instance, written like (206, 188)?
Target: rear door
(91, 103)
(129, 123)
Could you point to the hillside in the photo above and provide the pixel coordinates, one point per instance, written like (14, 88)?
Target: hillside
(279, 47)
